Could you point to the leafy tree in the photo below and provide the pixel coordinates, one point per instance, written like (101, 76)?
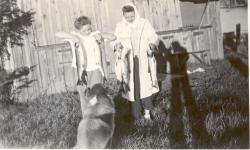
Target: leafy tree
(13, 25)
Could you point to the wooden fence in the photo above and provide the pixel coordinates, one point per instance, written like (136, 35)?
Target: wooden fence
(53, 72)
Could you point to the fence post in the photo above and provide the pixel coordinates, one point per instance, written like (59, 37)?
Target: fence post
(237, 36)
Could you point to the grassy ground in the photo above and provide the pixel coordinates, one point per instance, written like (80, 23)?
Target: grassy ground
(203, 110)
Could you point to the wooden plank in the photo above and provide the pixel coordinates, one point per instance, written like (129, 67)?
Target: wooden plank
(38, 31)
(214, 40)
(49, 56)
(54, 61)
(58, 20)
(37, 70)
(153, 12)
(219, 31)
(22, 96)
(192, 47)
(73, 71)
(211, 35)
(53, 10)
(146, 8)
(61, 46)
(20, 57)
(40, 8)
(60, 81)
(95, 18)
(207, 43)
(208, 32)
(68, 70)
(76, 9)
(66, 28)
(26, 62)
(32, 89)
(167, 37)
(178, 19)
(61, 25)
(183, 29)
(34, 76)
(197, 33)
(24, 90)
(206, 38)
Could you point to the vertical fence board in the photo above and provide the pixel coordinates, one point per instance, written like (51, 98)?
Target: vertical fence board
(218, 31)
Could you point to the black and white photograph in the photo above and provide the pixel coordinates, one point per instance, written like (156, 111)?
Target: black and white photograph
(124, 74)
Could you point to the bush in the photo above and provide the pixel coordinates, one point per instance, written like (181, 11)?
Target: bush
(7, 89)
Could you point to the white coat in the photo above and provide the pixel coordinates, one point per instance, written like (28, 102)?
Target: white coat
(137, 36)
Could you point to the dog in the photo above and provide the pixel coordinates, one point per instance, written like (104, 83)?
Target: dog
(96, 128)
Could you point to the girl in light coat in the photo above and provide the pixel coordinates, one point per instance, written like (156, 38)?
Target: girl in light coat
(138, 35)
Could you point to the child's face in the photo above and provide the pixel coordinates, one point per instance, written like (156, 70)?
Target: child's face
(86, 30)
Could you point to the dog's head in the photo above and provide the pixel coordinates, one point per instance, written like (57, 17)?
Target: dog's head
(97, 97)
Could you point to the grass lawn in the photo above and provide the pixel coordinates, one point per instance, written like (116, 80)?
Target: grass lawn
(204, 110)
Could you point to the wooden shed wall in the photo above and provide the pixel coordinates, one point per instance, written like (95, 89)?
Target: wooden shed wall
(53, 72)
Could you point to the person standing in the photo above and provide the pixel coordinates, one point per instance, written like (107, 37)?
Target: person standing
(87, 54)
(138, 35)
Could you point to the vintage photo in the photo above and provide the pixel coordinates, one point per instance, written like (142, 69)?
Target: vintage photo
(124, 74)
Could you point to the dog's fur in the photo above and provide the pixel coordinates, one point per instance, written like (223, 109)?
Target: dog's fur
(97, 126)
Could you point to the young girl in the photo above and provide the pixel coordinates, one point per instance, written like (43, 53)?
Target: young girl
(89, 63)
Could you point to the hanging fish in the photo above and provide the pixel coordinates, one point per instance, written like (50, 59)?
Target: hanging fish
(122, 68)
(152, 68)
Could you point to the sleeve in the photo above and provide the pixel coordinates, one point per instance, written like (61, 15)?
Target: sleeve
(152, 36)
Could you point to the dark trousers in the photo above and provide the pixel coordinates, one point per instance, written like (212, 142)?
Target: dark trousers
(138, 106)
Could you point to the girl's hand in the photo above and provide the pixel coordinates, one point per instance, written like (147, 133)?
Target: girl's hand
(109, 36)
(150, 53)
(98, 37)
(118, 47)
(152, 46)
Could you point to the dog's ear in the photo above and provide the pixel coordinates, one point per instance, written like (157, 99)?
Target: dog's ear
(93, 101)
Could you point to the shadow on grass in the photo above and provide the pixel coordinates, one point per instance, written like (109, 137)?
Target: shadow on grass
(123, 120)
(239, 133)
(186, 123)
(238, 57)
(238, 64)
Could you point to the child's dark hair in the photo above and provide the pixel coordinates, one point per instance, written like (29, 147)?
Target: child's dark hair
(127, 8)
(81, 21)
